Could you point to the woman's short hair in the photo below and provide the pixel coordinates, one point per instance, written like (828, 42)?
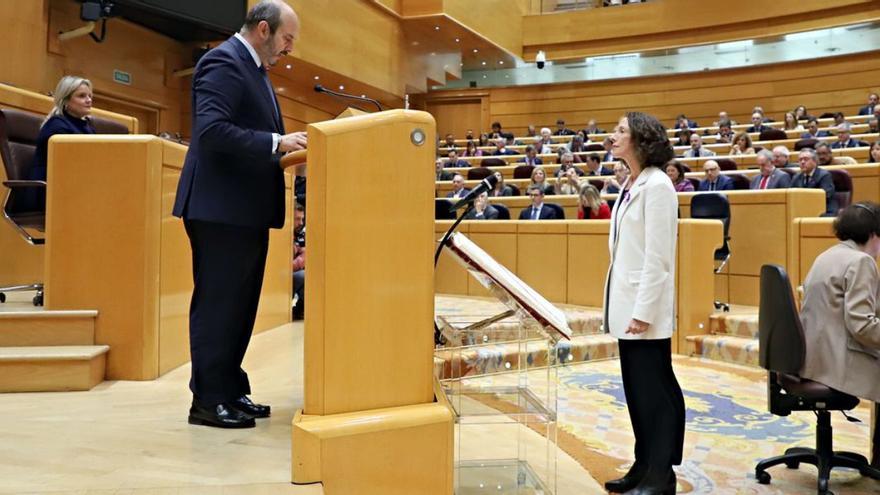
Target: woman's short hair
(649, 139)
(679, 167)
(535, 171)
(857, 222)
(743, 135)
(64, 91)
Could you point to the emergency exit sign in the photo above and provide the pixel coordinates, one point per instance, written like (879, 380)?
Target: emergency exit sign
(122, 77)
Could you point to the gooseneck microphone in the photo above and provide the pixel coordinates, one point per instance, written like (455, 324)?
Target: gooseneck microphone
(321, 89)
(485, 185)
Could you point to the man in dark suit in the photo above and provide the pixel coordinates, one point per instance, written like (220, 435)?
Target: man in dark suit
(231, 192)
(714, 181)
(758, 123)
(453, 161)
(813, 131)
(811, 176)
(561, 130)
(538, 210)
(501, 148)
(770, 176)
(595, 167)
(868, 109)
(843, 137)
(442, 174)
(482, 210)
(458, 189)
(531, 157)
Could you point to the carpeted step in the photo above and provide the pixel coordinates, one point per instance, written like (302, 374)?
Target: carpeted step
(740, 322)
(727, 348)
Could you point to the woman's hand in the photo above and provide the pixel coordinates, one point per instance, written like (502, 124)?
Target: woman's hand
(637, 327)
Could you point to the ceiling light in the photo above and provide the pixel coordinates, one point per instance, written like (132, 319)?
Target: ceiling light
(341, 87)
(457, 40)
(436, 28)
(288, 66)
(501, 62)
(484, 62)
(475, 50)
(317, 77)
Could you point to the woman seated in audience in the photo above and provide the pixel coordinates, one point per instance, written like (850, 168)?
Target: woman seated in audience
(69, 115)
(484, 140)
(791, 123)
(591, 206)
(568, 183)
(675, 171)
(684, 137)
(539, 178)
(501, 189)
(840, 307)
(874, 154)
(800, 113)
(472, 150)
(615, 184)
(742, 145)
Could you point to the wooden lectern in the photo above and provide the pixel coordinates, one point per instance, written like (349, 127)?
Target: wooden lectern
(370, 423)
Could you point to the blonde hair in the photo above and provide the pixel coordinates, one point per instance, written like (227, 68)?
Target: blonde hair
(63, 91)
(591, 195)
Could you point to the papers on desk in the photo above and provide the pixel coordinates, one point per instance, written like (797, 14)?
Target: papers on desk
(507, 287)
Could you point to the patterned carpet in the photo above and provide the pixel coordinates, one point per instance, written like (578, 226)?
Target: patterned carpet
(728, 429)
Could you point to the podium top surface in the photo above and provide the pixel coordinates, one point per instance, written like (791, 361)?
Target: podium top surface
(359, 122)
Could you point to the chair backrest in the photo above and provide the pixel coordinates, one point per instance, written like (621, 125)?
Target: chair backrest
(791, 171)
(523, 171)
(726, 163)
(106, 126)
(514, 190)
(772, 135)
(805, 143)
(492, 162)
(694, 182)
(712, 206)
(782, 347)
(479, 173)
(441, 210)
(843, 188)
(560, 213)
(18, 142)
(685, 168)
(740, 182)
(594, 147)
(597, 183)
(503, 212)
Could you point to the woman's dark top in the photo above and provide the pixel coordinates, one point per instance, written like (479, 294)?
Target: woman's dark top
(57, 124)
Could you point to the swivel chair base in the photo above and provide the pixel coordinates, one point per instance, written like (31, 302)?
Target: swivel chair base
(37, 300)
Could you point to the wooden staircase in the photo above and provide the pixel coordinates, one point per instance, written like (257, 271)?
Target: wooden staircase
(49, 351)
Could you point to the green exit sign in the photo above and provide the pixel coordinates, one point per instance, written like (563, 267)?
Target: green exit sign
(122, 77)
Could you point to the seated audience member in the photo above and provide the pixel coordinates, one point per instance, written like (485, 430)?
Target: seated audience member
(566, 163)
(531, 131)
(826, 157)
(469, 135)
(591, 206)
(531, 157)
(72, 105)
(577, 146)
(458, 189)
(791, 123)
(760, 109)
(682, 122)
(592, 128)
(725, 133)
(869, 108)
(813, 131)
(840, 307)
(595, 167)
(484, 141)
(452, 160)
(811, 176)
(714, 180)
(839, 118)
(568, 182)
(697, 150)
(780, 157)
(615, 184)
(442, 174)
(472, 150)
(497, 132)
(873, 125)
(539, 179)
(874, 154)
(724, 117)
(684, 137)
(501, 148)
(800, 113)
(501, 189)
(742, 145)
(298, 266)
(450, 142)
(537, 210)
(843, 138)
(561, 130)
(758, 123)
(770, 177)
(676, 174)
(545, 146)
(482, 210)
(606, 145)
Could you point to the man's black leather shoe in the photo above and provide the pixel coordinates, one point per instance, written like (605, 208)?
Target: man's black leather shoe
(656, 484)
(629, 481)
(245, 405)
(219, 416)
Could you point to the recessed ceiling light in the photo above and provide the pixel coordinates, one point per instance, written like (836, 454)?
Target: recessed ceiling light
(317, 77)
(433, 53)
(475, 50)
(457, 40)
(341, 87)
(484, 62)
(289, 66)
(436, 28)
(501, 62)
(363, 96)
(484, 76)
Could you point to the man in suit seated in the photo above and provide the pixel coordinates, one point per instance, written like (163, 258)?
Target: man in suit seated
(714, 180)
(566, 162)
(453, 161)
(682, 122)
(872, 103)
(592, 128)
(442, 174)
(458, 189)
(561, 130)
(758, 123)
(780, 157)
(811, 176)
(501, 147)
(482, 209)
(531, 157)
(538, 210)
(697, 150)
(843, 137)
(449, 144)
(770, 177)
(595, 167)
(826, 157)
(813, 131)
(873, 125)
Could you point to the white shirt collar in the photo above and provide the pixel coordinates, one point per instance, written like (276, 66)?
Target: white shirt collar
(250, 49)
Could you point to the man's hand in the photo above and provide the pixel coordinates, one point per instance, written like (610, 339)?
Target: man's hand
(294, 141)
(637, 327)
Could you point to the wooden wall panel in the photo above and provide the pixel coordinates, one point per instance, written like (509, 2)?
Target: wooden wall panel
(502, 22)
(457, 116)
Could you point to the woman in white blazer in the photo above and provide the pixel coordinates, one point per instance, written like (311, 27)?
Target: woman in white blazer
(640, 303)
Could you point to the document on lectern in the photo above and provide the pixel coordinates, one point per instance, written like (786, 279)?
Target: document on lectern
(512, 291)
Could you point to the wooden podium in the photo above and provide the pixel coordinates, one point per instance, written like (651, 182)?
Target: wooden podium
(370, 423)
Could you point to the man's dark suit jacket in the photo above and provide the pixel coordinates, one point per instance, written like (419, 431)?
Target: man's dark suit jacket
(821, 179)
(537, 161)
(760, 128)
(444, 175)
(490, 213)
(819, 134)
(603, 170)
(506, 152)
(723, 183)
(866, 110)
(463, 193)
(547, 213)
(852, 143)
(230, 174)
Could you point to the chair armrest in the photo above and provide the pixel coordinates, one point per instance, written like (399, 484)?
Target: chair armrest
(13, 184)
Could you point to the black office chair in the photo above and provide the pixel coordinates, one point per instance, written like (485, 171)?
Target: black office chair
(503, 212)
(560, 213)
(441, 210)
(772, 135)
(478, 173)
(782, 351)
(715, 206)
(843, 188)
(523, 171)
(492, 162)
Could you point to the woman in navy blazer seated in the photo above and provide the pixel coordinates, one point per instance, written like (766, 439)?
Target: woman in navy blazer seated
(640, 304)
(69, 115)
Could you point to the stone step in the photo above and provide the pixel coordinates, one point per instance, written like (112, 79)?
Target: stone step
(726, 348)
(47, 328)
(52, 368)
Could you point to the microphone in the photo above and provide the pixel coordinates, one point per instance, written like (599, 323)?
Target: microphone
(485, 185)
(321, 89)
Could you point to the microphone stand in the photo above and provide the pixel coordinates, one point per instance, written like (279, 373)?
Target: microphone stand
(438, 338)
(321, 89)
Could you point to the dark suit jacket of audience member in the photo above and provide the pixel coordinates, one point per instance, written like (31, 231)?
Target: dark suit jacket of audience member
(587, 132)
(778, 180)
(537, 161)
(564, 132)
(821, 179)
(504, 152)
(236, 162)
(608, 157)
(458, 164)
(546, 213)
(866, 110)
(759, 129)
(852, 143)
(461, 194)
(691, 125)
(722, 183)
(490, 213)
(603, 170)
(819, 134)
(444, 175)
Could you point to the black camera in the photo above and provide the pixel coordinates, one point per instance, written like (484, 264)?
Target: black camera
(95, 10)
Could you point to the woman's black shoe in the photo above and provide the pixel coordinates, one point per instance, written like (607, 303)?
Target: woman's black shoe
(656, 484)
(629, 481)
(219, 416)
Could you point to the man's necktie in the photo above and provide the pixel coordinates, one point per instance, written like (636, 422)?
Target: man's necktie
(535, 213)
(711, 186)
(268, 83)
(764, 182)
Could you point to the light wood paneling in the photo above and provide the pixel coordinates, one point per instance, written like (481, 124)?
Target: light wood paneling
(51, 369)
(695, 260)
(499, 21)
(457, 117)
(587, 264)
(449, 276)
(542, 257)
(495, 238)
(47, 328)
